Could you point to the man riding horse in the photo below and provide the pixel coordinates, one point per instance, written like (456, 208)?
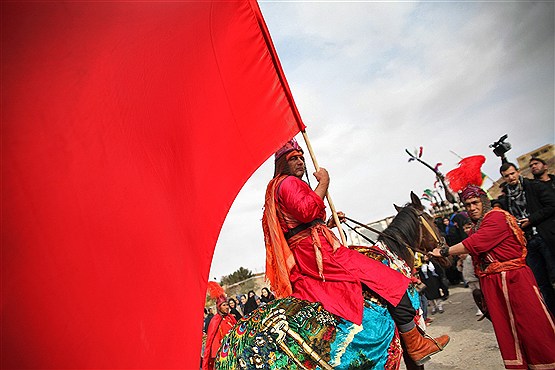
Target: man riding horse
(304, 258)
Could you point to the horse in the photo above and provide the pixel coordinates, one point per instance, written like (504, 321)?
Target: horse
(289, 333)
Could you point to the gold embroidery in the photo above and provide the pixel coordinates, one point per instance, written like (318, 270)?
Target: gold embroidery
(518, 360)
(547, 314)
(550, 366)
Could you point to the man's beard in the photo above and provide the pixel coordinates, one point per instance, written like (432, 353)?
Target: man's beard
(539, 174)
(486, 207)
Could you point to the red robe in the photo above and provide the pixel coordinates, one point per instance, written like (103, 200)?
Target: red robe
(336, 284)
(523, 326)
(217, 329)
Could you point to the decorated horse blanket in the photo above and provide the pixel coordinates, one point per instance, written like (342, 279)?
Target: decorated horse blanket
(290, 333)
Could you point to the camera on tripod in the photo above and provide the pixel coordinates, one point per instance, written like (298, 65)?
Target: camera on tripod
(500, 147)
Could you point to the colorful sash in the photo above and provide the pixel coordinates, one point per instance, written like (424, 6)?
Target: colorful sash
(493, 266)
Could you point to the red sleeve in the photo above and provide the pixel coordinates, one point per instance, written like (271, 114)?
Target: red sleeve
(492, 232)
(299, 200)
(211, 337)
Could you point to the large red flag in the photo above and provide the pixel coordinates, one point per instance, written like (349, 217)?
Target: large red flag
(128, 128)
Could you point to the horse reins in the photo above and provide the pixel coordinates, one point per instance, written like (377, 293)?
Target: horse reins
(423, 221)
(379, 232)
(361, 234)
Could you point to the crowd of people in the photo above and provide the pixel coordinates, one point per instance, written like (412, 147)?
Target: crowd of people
(502, 250)
(241, 305)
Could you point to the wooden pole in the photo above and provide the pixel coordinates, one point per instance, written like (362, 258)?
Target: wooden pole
(328, 197)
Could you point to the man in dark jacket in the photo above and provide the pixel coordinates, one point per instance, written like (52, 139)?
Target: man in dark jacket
(533, 204)
(208, 315)
(539, 169)
(455, 230)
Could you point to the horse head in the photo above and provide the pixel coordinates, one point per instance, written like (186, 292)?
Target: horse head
(412, 230)
(431, 237)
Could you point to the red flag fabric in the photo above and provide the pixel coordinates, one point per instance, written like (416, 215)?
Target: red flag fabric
(128, 128)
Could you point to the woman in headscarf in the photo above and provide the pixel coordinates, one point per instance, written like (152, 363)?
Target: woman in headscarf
(251, 304)
(242, 302)
(266, 296)
(233, 308)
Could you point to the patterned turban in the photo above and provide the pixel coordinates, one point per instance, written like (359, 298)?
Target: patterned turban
(472, 191)
(290, 146)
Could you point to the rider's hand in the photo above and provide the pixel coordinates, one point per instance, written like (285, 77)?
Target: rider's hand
(322, 176)
(323, 182)
(341, 216)
(331, 221)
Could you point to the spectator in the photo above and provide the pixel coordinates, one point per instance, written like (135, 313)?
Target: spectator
(533, 204)
(431, 274)
(207, 318)
(454, 230)
(443, 227)
(421, 287)
(233, 308)
(539, 169)
(251, 304)
(266, 296)
(242, 302)
(454, 234)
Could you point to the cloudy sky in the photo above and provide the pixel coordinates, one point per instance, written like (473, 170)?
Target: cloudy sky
(373, 78)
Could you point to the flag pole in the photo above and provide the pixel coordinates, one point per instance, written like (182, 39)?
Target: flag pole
(328, 197)
(285, 85)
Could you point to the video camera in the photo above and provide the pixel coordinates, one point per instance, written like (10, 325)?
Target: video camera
(500, 147)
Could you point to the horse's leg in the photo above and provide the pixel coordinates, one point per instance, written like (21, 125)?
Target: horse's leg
(409, 362)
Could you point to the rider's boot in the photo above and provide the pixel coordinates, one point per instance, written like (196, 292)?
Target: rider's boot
(421, 346)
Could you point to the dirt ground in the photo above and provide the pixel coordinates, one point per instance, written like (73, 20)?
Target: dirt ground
(472, 345)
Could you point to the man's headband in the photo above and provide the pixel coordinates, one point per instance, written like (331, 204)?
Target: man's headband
(293, 153)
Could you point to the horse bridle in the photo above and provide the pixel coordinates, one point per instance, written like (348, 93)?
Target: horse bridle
(439, 240)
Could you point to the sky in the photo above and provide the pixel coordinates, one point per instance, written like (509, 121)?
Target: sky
(372, 79)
